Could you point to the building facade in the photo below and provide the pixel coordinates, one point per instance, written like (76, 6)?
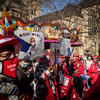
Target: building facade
(25, 9)
(74, 16)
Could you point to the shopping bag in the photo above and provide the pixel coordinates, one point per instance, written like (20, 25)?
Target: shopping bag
(67, 82)
(50, 95)
(74, 95)
(66, 86)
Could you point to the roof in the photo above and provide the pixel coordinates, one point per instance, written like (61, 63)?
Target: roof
(68, 11)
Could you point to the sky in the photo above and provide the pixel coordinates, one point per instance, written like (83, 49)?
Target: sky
(55, 5)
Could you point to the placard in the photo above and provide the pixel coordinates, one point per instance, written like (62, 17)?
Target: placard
(65, 46)
(32, 44)
(54, 52)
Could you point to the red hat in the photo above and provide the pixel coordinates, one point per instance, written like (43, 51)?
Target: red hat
(75, 55)
(62, 56)
(41, 60)
(81, 56)
(61, 60)
(48, 53)
(98, 56)
(8, 40)
(94, 57)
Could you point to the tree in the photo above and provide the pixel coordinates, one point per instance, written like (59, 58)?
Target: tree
(84, 13)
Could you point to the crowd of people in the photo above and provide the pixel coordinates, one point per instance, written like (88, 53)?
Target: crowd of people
(78, 72)
(69, 78)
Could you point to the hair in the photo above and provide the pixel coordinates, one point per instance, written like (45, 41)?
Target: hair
(31, 40)
(7, 48)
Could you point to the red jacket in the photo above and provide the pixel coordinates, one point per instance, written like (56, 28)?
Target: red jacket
(81, 68)
(93, 72)
(94, 91)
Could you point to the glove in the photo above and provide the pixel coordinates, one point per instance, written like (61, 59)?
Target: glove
(82, 77)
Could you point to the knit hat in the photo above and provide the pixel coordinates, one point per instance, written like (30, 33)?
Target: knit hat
(94, 57)
(75, 55)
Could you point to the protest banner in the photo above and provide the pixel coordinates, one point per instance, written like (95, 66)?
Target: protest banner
(32, 44)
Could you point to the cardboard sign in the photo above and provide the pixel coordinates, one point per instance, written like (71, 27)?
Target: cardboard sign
(54, 52)
(65, 44)
(32, 44)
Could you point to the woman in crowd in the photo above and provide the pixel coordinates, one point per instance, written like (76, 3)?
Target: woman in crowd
(78, 71)
(93, 70)
(8, 64)
(40, 76)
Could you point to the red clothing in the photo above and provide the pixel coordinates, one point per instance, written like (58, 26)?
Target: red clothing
(94, 91)
(93, 72)
(81, 69)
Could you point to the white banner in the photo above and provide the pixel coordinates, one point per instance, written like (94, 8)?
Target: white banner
(65, 44)
(32, 44)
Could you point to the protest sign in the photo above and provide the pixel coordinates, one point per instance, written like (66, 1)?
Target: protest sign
(65, 46)
(32, 44)
(54, 52)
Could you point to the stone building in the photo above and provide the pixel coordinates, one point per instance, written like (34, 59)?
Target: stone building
(86, 15)
(25, 9)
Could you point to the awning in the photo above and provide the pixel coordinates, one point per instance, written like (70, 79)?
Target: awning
(50, 41)
(76, 44)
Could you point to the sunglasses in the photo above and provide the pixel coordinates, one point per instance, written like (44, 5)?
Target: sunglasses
(6, 55)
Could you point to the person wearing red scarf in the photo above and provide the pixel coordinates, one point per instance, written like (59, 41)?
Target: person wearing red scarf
(93, 70)
(78, 71)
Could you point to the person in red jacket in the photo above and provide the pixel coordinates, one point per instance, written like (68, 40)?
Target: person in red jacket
(78, 72)
(93, 70)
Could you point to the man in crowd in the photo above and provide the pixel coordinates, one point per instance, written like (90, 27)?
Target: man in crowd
(8, 64)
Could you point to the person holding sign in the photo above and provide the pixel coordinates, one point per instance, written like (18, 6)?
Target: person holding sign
(41, 89)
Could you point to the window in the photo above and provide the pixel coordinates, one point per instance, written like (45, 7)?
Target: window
(91, 23)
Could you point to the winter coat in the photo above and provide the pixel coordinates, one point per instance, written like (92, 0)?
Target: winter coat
(93, 72)
(80, 69)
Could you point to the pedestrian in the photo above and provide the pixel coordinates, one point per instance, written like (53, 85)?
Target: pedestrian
(78, 72)
(41, 88)
(8, 64)
(24, 80)
(93, 70)
(67, 60)
(86, 78)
